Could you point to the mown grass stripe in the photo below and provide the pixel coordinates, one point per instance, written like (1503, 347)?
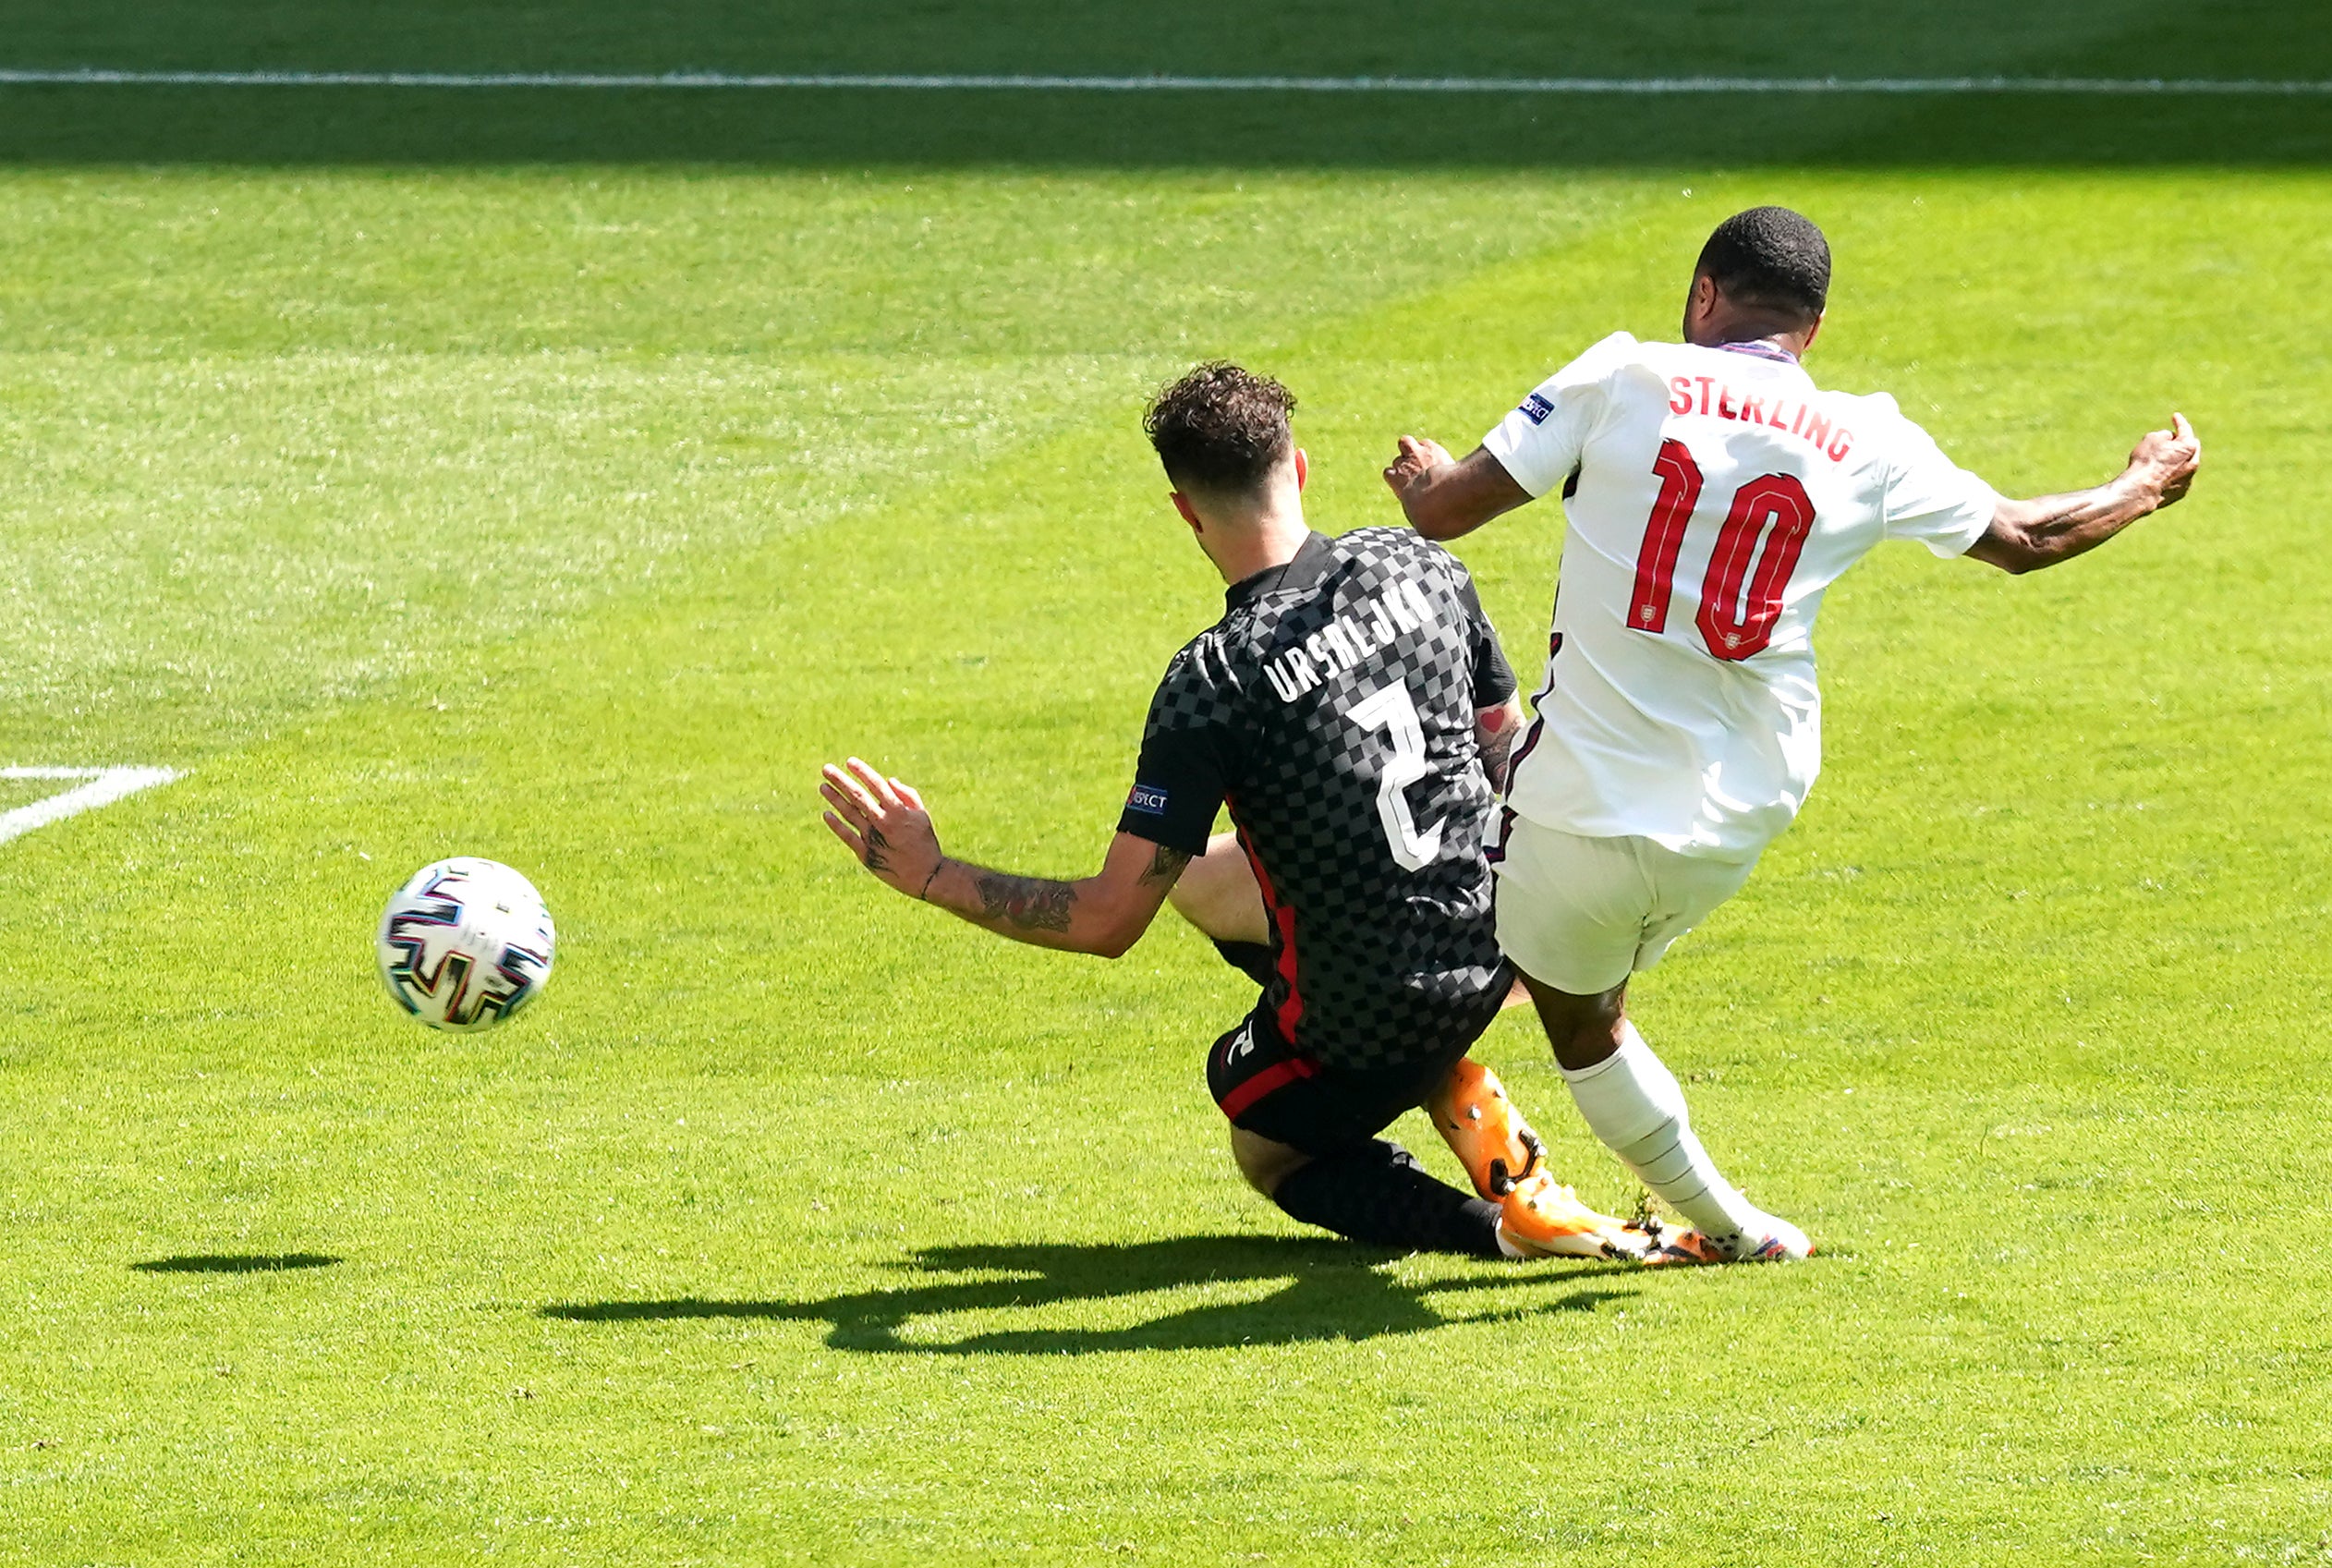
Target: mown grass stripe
(1555, 86)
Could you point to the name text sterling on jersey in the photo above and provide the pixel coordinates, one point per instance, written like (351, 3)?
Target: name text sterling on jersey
(1759, 409)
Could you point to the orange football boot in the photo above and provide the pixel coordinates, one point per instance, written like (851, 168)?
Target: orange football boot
(1501, 1155)
(1540, 1219)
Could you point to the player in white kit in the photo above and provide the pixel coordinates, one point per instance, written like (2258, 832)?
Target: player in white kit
(1712, 493)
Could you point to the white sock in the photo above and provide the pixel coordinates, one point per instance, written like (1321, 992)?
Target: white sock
(1636, 1107)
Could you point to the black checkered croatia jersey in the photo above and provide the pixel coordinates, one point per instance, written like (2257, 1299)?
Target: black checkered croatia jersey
(1332, 708)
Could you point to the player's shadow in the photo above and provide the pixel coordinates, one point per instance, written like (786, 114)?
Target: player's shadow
(1327, 1291)
(234, 1263)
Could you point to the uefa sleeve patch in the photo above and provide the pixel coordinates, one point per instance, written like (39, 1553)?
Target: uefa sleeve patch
(1149, 800)
(1535, 408)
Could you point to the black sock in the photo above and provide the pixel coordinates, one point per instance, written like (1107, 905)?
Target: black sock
(1377, 1193)
(1252, 959)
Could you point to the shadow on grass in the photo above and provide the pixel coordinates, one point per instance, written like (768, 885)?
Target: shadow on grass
(1331, 1291)
(234, 1263)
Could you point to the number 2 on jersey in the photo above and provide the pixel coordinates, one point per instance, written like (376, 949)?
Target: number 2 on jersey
(1758, 543)
(1391, 709)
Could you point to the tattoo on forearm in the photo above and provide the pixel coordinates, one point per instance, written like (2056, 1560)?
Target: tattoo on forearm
(1497, 746)
(1030, 902)
(1165, 865)
(876, 860)
(1494, 737)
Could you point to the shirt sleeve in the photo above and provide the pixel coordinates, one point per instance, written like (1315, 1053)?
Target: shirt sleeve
(1493, 678)
(1183, 774)
(1930, 499)
(1540, 442)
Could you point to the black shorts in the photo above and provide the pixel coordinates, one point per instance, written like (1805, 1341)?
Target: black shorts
(1273, 1090)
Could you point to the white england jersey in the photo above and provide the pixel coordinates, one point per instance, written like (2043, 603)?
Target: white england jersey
(1719, 493)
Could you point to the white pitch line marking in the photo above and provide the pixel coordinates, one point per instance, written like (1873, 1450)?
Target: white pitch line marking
(1563, 86)
(103, 786)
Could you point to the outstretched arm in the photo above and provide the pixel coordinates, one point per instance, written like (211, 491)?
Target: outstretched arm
(884, 824)
(1444, 498)
(2027, 535)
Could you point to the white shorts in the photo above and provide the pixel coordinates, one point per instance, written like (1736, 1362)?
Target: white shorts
(1584, 913)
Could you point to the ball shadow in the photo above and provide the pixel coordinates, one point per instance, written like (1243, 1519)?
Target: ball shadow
(234, 1263)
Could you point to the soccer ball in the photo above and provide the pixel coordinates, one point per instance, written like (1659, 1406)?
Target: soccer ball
(465, 945)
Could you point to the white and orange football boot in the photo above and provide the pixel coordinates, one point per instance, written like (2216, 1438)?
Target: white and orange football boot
(1771, 1240)
(1501, 1156)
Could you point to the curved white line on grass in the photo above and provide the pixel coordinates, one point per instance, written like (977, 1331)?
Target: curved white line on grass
(1565, 86)
(104, 786)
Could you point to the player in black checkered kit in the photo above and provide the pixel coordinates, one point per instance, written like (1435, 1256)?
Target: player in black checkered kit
(1340, 710)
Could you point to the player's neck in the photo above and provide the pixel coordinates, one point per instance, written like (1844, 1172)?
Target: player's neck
(1257, 542)
(1714, 320)
(1791, 338)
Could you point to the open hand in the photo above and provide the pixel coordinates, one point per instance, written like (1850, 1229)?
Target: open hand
(884, 823)
(2167, 459)
(1418, 458)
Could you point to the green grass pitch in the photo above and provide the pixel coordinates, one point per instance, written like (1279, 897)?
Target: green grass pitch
(562, 480)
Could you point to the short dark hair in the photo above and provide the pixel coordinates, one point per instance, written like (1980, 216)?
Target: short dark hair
(1221, 428)
(1769, 255)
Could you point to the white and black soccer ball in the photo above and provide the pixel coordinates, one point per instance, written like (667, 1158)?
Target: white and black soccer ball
(466, 944)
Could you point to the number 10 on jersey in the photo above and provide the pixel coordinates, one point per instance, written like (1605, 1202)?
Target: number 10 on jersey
(1757, 545)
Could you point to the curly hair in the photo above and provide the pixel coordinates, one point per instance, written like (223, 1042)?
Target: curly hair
(1769, 255)
(1221, 428)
